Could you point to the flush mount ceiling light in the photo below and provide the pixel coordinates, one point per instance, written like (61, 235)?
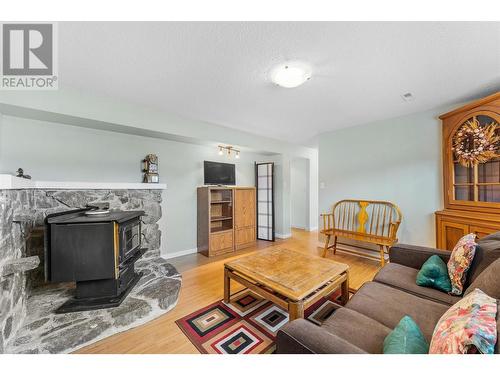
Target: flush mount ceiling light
(291, 74)
(229, 150)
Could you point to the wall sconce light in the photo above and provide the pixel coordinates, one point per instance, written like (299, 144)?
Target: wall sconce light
(229, 150)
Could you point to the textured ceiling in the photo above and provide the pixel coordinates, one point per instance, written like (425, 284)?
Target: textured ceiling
(217, 72)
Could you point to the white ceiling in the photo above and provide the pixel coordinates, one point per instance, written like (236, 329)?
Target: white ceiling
(217, 72)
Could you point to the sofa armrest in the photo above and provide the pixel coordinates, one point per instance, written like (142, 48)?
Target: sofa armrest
(303, 337)
(415, 256)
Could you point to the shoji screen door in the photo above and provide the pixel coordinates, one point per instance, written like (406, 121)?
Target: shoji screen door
(264, 179)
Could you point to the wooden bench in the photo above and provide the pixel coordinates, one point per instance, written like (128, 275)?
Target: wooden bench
(375, 222)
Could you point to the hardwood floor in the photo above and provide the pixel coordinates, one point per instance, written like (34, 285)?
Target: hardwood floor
(202, 284)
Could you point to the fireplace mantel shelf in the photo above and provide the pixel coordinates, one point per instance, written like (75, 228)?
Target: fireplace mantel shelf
(8, 182)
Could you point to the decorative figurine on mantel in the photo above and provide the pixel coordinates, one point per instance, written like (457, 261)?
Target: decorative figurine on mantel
(20, 173)
(150, 169)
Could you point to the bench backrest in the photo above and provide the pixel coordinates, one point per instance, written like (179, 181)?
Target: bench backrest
(376, 218)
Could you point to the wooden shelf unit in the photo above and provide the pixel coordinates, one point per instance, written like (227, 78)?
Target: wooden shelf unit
(471, 194)
(220, 218)
(226, 219)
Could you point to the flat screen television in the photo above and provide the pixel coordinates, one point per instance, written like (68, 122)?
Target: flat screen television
(219, 173)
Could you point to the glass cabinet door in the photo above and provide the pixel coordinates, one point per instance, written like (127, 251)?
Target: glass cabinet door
(488, 181)
(477, 181)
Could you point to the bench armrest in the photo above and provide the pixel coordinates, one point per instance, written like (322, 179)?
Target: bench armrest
(303, 337)
(327, 221)
(415, 256)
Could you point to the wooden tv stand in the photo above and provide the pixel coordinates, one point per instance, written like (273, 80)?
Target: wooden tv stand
(226, 219)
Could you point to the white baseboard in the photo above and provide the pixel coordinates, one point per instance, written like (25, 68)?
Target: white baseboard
(307, 229)
(282, 235)
(298, 227)
(180, 253)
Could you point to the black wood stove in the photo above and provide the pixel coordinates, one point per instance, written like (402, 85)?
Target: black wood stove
(96, 251)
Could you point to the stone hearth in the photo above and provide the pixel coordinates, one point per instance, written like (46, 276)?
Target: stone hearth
(45, 332)
(26, 322)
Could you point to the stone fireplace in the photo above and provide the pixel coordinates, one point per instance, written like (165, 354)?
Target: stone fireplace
(22, 214)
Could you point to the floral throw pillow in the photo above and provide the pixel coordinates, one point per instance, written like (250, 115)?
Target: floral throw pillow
(460, 260)
(469, 326)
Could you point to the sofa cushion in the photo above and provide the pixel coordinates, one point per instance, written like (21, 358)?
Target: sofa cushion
(353, 327)
(387, 305)
(414, 256)
(469, 326)
(487, 251)
(488, 281)
(406, 338)
(300, 336)
(460, 261)
(434, 274)
(402, 277)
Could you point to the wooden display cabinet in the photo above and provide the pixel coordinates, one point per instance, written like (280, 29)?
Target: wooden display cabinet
(226, 219)
(471, 194)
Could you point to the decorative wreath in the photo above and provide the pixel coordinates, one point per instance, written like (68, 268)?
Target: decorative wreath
(474, 144)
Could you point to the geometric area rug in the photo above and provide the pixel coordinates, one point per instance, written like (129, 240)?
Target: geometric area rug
(247, 324)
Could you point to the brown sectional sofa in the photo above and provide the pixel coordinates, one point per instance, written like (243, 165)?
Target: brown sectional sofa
(378, 306)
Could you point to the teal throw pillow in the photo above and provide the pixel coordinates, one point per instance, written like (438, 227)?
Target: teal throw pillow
(406, 338)
(434, 274)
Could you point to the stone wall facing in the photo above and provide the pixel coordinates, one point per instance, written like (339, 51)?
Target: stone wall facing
(22, 215)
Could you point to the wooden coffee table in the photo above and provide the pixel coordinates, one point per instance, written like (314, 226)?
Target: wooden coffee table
(288, 278)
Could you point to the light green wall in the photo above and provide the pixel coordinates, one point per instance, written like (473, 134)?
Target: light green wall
(398, 160)
(92, 111)
(51, 151)
(299, 193)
